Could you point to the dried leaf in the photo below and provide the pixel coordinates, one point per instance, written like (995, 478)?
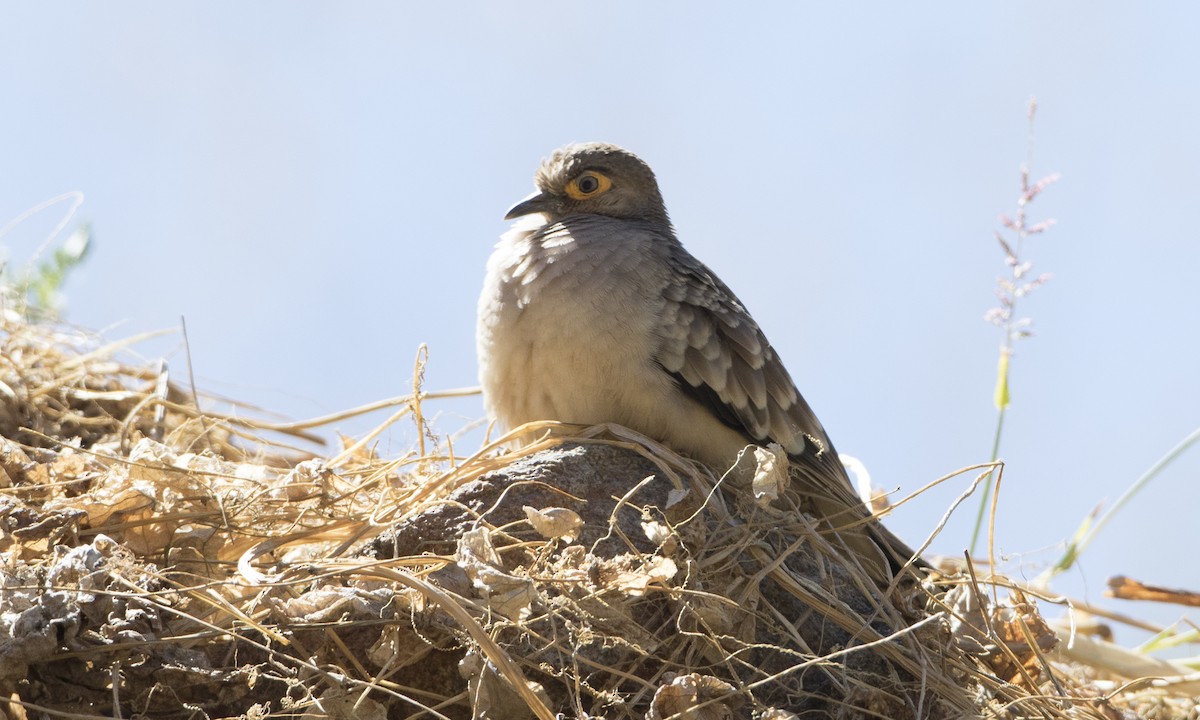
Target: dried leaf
(398, 646)
(661, 535)
(680, 697)
(554, 522)
(507, 594)
(771, 474)
(634, 575)
(492, 696)
(338, 704)
(968, 625)
(676, 496)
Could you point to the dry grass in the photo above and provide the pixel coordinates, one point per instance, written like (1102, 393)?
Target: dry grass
(162, 562)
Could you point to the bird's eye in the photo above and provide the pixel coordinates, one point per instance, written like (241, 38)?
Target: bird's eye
(587, 185)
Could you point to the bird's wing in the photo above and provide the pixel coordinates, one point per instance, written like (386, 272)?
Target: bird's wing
(720, 358)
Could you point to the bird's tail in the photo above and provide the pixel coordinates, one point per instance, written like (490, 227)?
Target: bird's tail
(828, 496)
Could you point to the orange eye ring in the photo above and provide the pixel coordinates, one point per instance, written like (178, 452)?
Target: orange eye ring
(588, 185)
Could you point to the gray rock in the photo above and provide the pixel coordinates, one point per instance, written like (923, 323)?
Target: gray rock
(724, 614)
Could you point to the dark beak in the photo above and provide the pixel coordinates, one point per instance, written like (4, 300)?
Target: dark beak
(535, 203)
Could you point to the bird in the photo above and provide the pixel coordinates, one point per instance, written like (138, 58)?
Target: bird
(592, 312)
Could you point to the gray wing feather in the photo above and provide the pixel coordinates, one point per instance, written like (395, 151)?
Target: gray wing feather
(715, 347)
(720, 358)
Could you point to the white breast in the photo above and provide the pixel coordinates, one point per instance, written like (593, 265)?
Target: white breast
(570, 329)
(563, 324)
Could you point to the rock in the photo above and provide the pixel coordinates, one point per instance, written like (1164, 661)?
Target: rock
(746, 597)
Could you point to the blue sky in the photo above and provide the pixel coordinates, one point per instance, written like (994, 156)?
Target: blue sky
(316, 187)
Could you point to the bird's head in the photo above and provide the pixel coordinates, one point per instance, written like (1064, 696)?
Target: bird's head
(594, 179)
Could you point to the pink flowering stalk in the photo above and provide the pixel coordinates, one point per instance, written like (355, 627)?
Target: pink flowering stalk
(1016, 284)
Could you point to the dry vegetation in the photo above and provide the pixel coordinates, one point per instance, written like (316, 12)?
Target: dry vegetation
(159, 562)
